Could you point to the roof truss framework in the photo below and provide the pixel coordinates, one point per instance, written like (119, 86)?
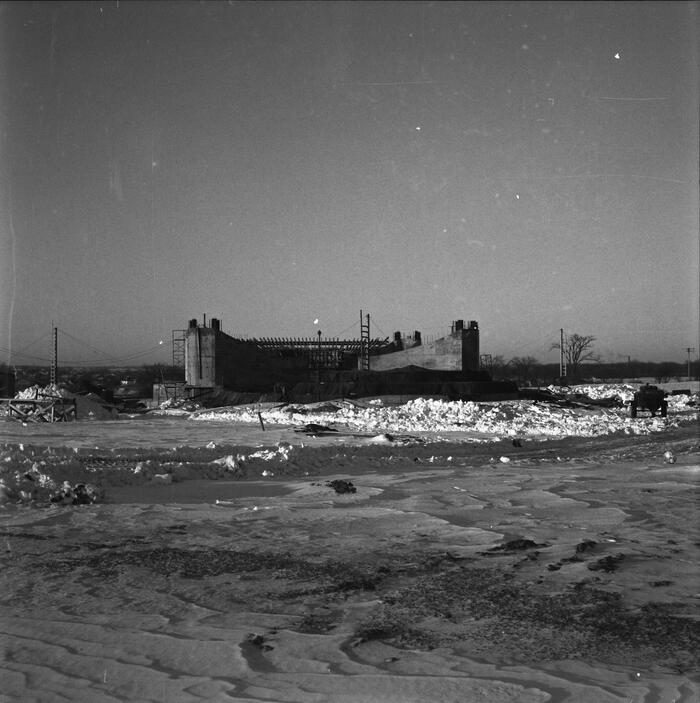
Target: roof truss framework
(345, 346)
(321, 353)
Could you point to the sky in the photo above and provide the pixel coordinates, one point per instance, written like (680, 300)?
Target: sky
(283, 166)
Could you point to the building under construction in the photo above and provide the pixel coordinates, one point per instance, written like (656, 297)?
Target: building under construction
(316, 368)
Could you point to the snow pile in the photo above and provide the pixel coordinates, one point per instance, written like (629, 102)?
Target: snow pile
(624, 391)
(19, 484)
(498, 419)
(678, 403)
(242, 463)
(174, 406)
(30, 474)
(39, 392)
(257, 462)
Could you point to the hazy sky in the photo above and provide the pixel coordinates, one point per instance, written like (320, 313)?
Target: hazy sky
(528, 165)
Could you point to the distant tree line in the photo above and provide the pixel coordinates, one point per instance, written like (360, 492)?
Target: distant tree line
(524, 370)
(529, 371)
(584, 364)
(93, 379)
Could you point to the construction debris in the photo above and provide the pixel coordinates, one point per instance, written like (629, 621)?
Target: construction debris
(55, 404)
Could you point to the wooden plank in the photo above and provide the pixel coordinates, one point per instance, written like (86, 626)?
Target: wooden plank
(16, 410)
(40, 414)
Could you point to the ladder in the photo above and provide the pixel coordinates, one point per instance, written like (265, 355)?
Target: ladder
(179, 348)
(364, 342)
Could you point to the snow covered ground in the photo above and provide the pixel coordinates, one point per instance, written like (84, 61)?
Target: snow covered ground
(52, 461)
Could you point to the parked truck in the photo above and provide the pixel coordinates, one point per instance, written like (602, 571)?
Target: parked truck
(649, 398)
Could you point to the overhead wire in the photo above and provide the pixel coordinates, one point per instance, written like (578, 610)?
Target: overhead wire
(374, 323)
(26, 356)
(31, 344)
(106, 360)
(128, 357)
(120, 360)
(86, 344)
(350, 326)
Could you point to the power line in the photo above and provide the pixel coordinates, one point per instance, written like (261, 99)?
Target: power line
(374, 324)
(128, 357)
(118, 360)
(86, 344)
(31, 344)
(350, 326)
(689, 350)
(26, 356)
(107, 360)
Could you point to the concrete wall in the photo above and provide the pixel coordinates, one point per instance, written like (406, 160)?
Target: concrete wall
(213, 359)
(200, 351)
(458, 351)
(239, 364)
(470, 347)
(443, 354)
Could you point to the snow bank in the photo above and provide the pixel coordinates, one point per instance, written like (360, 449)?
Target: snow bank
(57, 475)
(25, 481)
(600, 391)
(625, 392)
(500, 419)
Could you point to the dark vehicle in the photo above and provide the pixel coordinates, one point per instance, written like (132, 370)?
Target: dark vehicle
(649, 398)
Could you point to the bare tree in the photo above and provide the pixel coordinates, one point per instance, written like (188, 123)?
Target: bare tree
(498, 366)
(577, 349)
(522, 367)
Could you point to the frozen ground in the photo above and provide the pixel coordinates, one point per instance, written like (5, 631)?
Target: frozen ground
(506, 552)
(564, 571)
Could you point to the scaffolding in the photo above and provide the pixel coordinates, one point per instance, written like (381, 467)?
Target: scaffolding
(179, 337)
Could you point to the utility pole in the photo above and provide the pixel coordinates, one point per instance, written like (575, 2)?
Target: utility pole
(689, 350)
(318, 368)
(562, 359)
(54, 357)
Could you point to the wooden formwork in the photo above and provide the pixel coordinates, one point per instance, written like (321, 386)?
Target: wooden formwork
(48, 409)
